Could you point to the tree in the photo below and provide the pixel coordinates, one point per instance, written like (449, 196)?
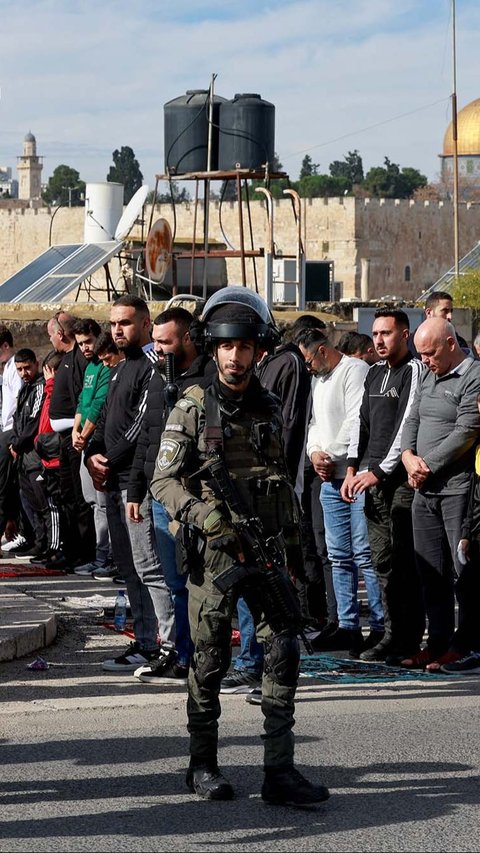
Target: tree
(350, 167)
(65, 187)
(466, 294)
(391, 182)
(321, 186)
(276, 187)
(308, 167)
(126, 171)
(174, 193)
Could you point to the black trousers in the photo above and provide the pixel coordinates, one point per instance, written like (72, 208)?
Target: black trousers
(9, 498)
(318, 568)
(79, 542)
(388, 509)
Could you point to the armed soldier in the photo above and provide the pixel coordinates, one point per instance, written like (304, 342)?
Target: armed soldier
(221, 473)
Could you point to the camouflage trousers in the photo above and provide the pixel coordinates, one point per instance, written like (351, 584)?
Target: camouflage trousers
(210, 615)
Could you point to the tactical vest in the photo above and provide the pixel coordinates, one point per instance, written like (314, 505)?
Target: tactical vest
(250, 442)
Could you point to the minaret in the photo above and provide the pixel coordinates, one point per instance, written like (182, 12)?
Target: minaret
(29, 168)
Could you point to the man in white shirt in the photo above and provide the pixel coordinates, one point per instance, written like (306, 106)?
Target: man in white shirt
(11, 384)
(337, 394)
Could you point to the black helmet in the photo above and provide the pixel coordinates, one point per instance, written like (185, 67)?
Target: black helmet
(237, 313)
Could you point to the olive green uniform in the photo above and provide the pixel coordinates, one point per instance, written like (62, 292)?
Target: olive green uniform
(253, 455)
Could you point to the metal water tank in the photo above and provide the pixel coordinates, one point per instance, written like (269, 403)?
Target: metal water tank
(247, 133)
(186, 132)
(103, 210)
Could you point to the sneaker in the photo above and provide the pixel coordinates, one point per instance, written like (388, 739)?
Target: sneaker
(87, 569)
(106, 573)
(132, 658)
(239, 681)
(469, 664)
(53, 560)
(25, 552)
(286, 786)
(17, 542)
(254, 697)
(163, 670)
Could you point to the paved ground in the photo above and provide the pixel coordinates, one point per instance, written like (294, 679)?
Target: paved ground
(95, 761)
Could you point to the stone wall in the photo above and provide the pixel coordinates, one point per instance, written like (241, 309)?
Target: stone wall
(382, 237)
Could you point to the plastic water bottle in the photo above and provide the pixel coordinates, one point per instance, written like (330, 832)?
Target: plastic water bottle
(120, 617)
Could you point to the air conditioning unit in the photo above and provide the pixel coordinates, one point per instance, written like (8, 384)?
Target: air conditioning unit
(284, 274)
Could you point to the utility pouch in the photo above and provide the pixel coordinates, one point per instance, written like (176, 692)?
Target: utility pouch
(189, 548)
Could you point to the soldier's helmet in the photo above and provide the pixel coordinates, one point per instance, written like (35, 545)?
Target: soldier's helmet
(236, 313)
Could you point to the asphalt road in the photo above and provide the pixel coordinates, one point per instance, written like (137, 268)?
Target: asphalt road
(95, 761)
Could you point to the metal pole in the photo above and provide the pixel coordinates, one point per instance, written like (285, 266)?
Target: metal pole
(206, 212)
(456, 239)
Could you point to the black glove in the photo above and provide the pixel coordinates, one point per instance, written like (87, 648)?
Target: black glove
(220, 534)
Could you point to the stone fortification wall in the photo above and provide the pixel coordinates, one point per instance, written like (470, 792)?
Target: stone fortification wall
(371, 241)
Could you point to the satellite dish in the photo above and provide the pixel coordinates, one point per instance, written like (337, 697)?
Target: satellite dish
(130, 214)
(158, 250)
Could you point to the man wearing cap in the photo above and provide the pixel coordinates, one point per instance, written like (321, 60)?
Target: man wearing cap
(238, 422)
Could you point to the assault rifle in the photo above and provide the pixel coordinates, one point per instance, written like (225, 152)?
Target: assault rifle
(280, 599)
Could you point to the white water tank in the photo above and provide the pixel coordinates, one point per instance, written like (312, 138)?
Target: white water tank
(103, 209)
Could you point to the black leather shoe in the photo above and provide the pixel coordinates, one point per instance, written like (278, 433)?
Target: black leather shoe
(342, 638)
(285, 786)
(209, 783)
(380, 652)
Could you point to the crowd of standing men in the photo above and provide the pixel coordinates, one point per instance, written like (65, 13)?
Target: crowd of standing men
(364, 456)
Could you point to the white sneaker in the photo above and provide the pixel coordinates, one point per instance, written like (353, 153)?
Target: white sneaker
(14, 543)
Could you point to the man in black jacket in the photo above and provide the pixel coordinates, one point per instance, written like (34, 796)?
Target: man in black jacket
(109, 457)
(79, 544)
(22, 448)
(170, 335)
(389, 391)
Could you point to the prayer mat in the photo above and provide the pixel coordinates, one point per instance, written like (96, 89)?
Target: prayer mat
(19, 570)
(345, 671)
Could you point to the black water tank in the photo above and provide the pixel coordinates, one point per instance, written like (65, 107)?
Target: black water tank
(247, 133)
(186, 132)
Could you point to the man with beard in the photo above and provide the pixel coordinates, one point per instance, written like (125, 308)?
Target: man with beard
(237, 425)
(109, 458)
(170, 335)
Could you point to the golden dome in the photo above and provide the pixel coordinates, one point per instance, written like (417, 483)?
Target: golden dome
(468, 132)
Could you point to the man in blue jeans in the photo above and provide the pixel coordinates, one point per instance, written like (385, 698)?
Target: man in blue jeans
(337, 395)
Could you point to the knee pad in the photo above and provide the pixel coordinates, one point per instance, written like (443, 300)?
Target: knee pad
(282, 659)
(210, 664)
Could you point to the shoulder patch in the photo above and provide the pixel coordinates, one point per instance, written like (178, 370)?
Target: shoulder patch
(182, 404)
(168, 452)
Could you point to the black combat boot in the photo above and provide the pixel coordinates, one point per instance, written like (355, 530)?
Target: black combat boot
(208, 782)
(285, 786)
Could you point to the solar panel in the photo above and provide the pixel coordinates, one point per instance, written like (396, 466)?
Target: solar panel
(57, 271)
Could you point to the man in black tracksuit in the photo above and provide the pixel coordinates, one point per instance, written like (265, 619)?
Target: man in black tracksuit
(170, 335)
(22, 443)
(79, 541)
(389, 390)
(109, 457)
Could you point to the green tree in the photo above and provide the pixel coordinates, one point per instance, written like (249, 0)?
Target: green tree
(126, 171)
(65, 187)
(350, 167)
(308, 167)
(391, 182)
(466, 294)
(320, 186)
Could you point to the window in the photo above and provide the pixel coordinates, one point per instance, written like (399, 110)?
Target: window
(408, 273)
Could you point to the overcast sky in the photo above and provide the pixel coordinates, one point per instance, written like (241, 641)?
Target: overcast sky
(88, 76)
